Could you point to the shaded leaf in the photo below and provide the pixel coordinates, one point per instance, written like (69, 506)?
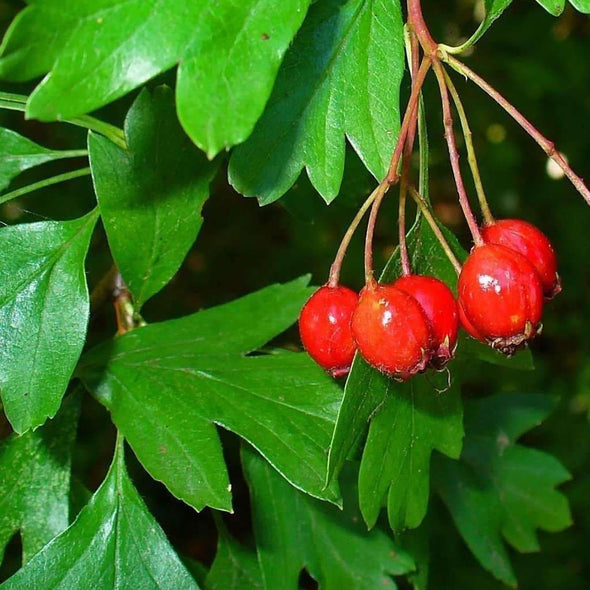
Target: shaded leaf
(35, 483)
(235, 567)
(499, 489)
(150, 196)
(98, 50)
(114, 543)
(294, 531)
(17, 153)
(340, 78)
(168, 384)
(43, 315)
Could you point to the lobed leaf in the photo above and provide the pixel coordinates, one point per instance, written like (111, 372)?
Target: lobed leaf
(114, 543)
(340, 78)
(151, 195)
(168, 384)
(35, 483)
(98, 50)
(43, 315)
(294, 531)
(499, 489)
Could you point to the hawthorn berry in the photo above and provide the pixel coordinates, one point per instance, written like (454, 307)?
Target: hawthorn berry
(440, 308)
(500, 297)
(324, 326)
(532, 243)
(391, 331)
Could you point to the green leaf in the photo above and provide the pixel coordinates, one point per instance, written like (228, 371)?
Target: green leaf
(168, 384)
(553, 7)
(340, 78)
(35, 483)
(17, 153)
(228, 72)
(150, 196)
(43, 315)
(406, 422)
(235, 567)
(98, 50)
(294, 531)
(581, 5)
(412, 421)
(500, 489)
(114, 543)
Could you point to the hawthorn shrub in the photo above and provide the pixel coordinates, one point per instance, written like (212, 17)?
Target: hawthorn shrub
(162, 425)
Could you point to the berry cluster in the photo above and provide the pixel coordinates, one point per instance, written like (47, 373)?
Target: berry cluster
(410, 325)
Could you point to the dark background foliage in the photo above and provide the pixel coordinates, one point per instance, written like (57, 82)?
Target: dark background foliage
(540, 63)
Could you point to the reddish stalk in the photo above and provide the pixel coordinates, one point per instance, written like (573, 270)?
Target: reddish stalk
(392, 175)
(413, 58)
(471, 157)
(411, 110)
(418, 26)
(546, 145)
(334, 277)
(454, 154)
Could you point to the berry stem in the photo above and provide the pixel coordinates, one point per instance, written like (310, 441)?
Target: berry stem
(412, 52)
(423, 206)
(454, 154)
(471, 158)
(334, 277)
(392, 177)
(379, 194)
(546, 145)
(411, 112)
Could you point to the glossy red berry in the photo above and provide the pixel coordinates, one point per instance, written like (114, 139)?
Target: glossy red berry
(439, 306)
(324, 325)
(532, 243)
(500, 297)
(391, 331)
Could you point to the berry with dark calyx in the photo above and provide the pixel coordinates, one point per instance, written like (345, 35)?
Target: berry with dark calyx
(532, 243)
(440, 308)
(391, 331)
(324, 326)
(500, 298)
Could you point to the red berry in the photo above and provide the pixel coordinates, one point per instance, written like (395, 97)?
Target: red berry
(324, 325)
(440, 308)
(500, 297)
(391, 331)
(532, 243)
